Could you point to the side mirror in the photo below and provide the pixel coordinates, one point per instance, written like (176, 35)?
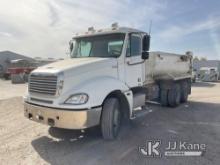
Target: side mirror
(146, 47)
(145, 55)
(146, 43)
(71, 45)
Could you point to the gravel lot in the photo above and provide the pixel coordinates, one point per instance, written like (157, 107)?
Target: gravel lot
(9, 90)
(26, 142)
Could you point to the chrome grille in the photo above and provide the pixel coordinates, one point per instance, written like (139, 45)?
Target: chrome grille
(43, 84)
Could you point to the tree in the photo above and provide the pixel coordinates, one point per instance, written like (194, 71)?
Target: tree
(203, 59)
(195, 58)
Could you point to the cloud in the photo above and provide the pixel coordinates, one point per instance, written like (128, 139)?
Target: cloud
(201, 37)
(176, 32)
(53, 14)
(216, 42)
(5, 34)
(44, 27)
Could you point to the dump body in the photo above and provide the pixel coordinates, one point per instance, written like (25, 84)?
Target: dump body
(168, 66)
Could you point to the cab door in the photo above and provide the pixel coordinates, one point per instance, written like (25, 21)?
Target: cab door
(134, 64)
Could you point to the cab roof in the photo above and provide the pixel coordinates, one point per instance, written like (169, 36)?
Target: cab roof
(94, 32)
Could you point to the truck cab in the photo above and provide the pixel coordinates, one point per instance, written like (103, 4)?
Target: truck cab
(109, 74)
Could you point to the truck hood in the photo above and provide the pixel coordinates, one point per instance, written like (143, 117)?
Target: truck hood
(80, 64)
(79, 71)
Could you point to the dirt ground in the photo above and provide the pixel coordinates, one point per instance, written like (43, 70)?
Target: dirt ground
(9, 90)
(26, 142)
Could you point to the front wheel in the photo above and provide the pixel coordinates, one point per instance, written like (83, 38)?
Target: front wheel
(111, 119)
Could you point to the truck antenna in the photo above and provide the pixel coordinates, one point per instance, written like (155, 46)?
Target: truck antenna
(150, 26)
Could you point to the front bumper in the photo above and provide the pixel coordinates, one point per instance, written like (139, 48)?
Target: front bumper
(69, 119)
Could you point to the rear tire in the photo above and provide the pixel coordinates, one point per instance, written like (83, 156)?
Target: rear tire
(164, 97)
(174, 95)
(111, 119)
(184, 92)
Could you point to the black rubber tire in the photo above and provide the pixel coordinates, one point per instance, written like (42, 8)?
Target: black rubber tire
(164, 97)
(184, 92)
(110, 113)
(6, 76)
(174, 95)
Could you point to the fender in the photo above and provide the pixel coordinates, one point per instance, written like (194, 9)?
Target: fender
(98, 89)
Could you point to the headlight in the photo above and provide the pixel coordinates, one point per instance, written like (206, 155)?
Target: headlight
(77, 99)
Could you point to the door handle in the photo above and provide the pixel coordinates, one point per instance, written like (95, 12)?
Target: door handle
(135, 63)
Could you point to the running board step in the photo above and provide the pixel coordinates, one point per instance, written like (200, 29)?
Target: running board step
(141, 112)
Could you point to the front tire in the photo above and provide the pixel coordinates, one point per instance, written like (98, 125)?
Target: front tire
(111, 119)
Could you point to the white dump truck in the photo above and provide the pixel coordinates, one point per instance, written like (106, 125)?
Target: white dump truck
(210, 74)
(110, 74)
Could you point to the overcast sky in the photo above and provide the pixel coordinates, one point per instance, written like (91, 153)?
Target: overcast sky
(44, 27)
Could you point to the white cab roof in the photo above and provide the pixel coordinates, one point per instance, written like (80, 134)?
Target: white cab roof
(108, 31)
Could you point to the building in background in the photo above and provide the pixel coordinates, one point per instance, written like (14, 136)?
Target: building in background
(44, 61)
(6, 57)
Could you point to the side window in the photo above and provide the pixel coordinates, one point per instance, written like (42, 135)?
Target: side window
(134, 45)
(114, 48)
(85, 48)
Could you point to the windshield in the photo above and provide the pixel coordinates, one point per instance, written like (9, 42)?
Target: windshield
(98, 46)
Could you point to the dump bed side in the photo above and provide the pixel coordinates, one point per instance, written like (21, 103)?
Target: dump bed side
(165, 66)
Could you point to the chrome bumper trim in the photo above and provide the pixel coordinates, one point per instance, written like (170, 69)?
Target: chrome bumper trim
(69, 119)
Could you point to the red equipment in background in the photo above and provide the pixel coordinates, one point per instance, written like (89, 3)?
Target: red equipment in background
(20, 69)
